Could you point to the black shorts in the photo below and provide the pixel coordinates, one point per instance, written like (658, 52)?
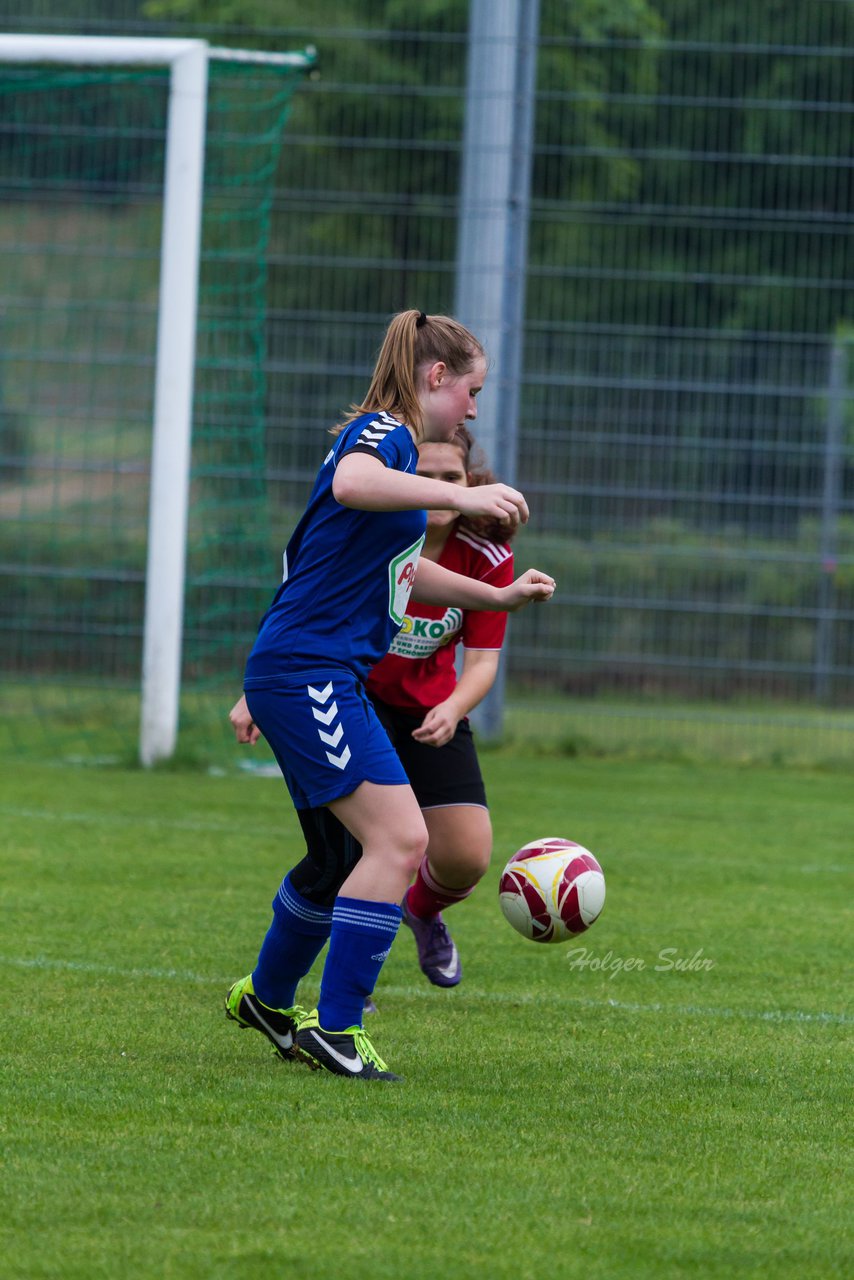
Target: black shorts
(438, 775)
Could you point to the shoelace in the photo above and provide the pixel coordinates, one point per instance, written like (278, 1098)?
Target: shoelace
(296, 1014)
(366, 1050)
(439, 941)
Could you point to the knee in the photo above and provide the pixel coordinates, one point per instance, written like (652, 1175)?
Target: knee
(479, 860)
(460, 867)
(414, 847)
(402, 848)
(407, 848)
(460, 849)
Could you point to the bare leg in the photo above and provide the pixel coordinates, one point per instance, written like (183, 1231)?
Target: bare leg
(389, 826)
(460, 844)
(458, 854)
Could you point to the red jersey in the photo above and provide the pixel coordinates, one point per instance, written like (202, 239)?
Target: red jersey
(419, 671)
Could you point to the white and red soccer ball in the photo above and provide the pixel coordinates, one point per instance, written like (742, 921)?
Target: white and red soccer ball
(552, 890)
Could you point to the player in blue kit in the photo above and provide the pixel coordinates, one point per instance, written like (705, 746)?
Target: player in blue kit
(349, 569)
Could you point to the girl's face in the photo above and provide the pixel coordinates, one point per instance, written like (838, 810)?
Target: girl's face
(448, 399)
(442, 462)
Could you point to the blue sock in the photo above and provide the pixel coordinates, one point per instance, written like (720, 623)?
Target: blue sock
(361, 938)
(293, 943)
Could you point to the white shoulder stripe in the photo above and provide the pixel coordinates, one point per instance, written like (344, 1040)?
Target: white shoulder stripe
(374, 432)
(494, 553)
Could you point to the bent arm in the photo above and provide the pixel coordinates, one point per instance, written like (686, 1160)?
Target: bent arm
(480, 667)
(367, 484)
(435, 584)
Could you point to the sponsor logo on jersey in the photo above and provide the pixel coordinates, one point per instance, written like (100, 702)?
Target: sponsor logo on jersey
(419, 637)
(401, 576)
(407, 574)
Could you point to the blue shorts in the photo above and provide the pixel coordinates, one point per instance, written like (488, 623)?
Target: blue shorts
(324, 733)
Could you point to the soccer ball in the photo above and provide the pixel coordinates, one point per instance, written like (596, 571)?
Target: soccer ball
(552, 890)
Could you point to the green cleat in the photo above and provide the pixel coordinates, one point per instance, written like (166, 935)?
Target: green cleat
(278, 1025)
(344, 1053)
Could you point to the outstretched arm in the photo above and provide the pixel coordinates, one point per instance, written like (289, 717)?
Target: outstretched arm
(365, 483)
(436, 585)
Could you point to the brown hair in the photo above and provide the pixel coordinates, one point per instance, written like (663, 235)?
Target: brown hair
(478, 471)
(413, 340)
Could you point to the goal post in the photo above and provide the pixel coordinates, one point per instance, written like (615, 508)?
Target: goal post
(173, 405)
(186, 62)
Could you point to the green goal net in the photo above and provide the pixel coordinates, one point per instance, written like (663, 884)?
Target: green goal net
(81, 204)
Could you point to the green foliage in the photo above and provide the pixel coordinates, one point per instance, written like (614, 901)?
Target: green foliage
(15, 445)
(758, 609)
(643, 105)
(755, 112)
(640, 1123)
(690, 172)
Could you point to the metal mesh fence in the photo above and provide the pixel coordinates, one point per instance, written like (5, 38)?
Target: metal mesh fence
(685, 439)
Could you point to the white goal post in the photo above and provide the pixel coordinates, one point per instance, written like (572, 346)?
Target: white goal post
(187, 62)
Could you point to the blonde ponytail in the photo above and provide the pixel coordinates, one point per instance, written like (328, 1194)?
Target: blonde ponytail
(413, 340)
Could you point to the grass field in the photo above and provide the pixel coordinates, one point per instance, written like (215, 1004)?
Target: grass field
(98, 722)
(669, 1099)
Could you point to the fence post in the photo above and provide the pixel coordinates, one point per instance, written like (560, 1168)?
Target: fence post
(831, 498)
(492, 244)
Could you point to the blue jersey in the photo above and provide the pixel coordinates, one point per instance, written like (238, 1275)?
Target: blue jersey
(347, 573)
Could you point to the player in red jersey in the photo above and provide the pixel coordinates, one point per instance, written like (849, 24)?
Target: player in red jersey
(424, 707)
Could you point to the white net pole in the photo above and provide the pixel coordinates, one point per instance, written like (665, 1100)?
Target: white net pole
(173, 406)
(187, 60)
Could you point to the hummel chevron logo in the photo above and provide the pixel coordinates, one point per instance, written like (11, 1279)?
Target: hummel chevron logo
(325, 717)
(375, 432)
(332, 739)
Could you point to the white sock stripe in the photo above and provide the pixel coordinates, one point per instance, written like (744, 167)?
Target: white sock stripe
(367, 922)
(300, 907)
(314, 915)
(365, 919)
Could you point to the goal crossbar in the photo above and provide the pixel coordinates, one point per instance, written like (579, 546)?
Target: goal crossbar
(187, 61)
(119, 51)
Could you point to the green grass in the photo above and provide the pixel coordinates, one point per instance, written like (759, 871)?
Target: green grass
(656, 727)
(98, 721)
(558, 1118)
